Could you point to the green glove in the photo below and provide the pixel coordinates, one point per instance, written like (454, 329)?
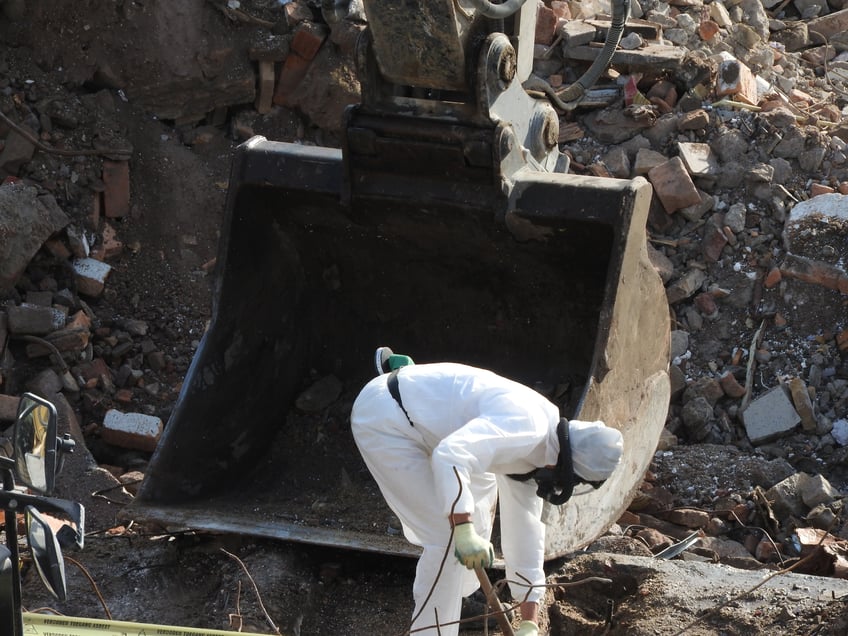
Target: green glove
(470, 548)
(527, 628)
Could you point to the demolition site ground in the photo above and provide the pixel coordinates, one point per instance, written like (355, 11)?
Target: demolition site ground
(164, 274)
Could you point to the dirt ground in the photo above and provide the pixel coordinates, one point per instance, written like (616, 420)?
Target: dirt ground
(143, 573)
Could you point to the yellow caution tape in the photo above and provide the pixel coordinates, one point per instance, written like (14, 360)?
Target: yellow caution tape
(50, 625)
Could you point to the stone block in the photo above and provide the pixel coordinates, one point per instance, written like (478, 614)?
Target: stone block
(685, 286)
(75, 337)
(27, 219)
(816, 490)
(698, 159)
(646, 160)
(770, 416)
(47, 382)
(575, 33)
(34, 320)
(830, 25)
(785, 497)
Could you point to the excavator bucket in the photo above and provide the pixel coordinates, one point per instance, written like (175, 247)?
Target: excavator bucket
(446, 236)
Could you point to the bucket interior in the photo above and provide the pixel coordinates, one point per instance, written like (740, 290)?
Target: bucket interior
(308, 289)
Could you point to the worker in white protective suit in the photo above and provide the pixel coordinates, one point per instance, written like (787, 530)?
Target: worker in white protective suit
(445, 442)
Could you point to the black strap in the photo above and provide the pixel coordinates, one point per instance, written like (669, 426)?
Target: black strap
(555, 484)
(394, 390)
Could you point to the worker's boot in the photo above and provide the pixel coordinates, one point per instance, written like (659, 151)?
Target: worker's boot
(473, 606)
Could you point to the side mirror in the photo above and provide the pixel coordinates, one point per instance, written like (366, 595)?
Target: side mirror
(35, 444)
(46, 553)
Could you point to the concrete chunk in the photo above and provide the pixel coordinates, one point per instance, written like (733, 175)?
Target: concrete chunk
(770, 416)
(27, 219)
(698, 159)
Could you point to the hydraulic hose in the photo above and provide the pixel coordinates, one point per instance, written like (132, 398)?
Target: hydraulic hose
(620, 13)
(498, 11)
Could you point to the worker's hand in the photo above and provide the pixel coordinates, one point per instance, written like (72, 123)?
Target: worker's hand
(470, 548)
(527, 628)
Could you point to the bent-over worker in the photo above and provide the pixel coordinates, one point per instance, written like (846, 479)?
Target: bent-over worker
(445, 442)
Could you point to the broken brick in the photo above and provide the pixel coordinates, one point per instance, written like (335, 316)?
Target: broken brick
(131, 430)
(305, 45)
(736, 80)
(91, 276)
(816, 272)
(819, 188)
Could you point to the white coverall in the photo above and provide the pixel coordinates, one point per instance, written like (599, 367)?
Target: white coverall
(486, 427)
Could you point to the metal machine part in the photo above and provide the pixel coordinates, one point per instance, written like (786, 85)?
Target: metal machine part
(448, 226)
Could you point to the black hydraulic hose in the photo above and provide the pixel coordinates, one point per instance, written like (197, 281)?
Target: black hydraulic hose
(498, 11)
(620, 13)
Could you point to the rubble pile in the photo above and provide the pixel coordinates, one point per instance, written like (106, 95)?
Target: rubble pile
(734, 110)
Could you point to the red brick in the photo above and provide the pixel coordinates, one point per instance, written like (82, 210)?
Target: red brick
(817, 188)
(713, 243)
(673, 186)
(688, 517)
(706, 304)
(546, 22)
(773, 278)
(736, 80)
(308, 39)
(815, 272)
(116, 196)
(291, 75)
(708, 30)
